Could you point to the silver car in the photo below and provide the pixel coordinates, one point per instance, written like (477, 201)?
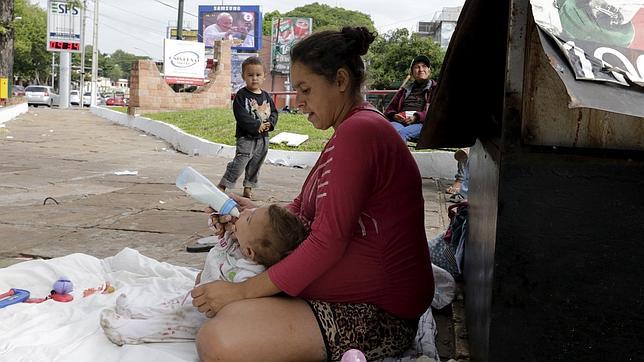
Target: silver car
(41, 95)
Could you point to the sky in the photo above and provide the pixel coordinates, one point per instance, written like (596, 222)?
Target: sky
(139, 26)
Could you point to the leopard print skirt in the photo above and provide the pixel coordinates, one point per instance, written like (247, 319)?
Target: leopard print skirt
(373, 331)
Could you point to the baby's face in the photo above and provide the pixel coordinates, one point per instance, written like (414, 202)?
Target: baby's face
(251, 225)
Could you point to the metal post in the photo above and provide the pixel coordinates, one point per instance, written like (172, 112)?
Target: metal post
(53, 69)
(82, 68)
(180, 21)
(95, 57)
(65, 79)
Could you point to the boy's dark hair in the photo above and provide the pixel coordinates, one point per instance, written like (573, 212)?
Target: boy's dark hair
(327, 51)
(285, 233)
(251, 61)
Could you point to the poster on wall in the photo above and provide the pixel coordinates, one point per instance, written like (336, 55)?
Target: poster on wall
(241, 24)
(284, 34)
(183, 62)
(236, 80)
(602, 39)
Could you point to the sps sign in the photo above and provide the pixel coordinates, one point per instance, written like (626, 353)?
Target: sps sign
(64, 25)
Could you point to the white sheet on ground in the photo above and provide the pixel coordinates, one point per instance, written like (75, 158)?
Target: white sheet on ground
(54, 331)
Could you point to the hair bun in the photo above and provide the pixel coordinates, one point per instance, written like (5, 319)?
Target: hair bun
(360, 36)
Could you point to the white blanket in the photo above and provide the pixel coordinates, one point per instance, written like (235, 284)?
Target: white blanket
(55, 331)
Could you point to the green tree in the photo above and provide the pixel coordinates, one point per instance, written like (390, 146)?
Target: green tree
(390, 55)
(6, 39)
(124, 61)
(324, 17)
(31, 58)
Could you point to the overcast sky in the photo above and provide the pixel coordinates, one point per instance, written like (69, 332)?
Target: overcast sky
(139, 26)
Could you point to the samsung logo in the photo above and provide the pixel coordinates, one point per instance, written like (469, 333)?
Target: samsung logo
(184, 59)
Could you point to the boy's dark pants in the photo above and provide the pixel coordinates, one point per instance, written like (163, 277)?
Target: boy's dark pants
(249, 155)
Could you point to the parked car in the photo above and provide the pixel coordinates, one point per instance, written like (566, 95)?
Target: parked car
(18, 90)
(41, 95)
(87, 97)
(116, 102)
(74, 97)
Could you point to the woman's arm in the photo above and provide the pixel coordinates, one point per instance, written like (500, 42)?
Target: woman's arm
(209, 298)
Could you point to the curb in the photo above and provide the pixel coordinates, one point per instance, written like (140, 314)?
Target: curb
(437, 164)
(10, 112)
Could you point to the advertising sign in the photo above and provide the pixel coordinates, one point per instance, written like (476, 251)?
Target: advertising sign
(186, 34)
(183, 62)
(64, 26)
(284, 34)
(602, 39)
(241, 24)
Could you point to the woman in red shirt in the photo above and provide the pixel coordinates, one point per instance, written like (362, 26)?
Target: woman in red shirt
(363, 276)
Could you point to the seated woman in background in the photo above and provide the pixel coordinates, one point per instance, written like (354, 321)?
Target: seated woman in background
(408, 108)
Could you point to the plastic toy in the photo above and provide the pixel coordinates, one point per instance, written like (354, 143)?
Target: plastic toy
(60, 293)
(62, 288)
(13, 296)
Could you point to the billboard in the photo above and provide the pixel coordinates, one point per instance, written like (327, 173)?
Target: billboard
(183, 62)
(241, 24)
(284, 34)
(186, 34)
(603, 40)
(64, 26)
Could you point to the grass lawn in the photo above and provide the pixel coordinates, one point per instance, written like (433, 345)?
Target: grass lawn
(218, 125)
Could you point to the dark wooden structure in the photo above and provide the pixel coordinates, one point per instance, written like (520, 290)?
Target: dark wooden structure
(556, 237)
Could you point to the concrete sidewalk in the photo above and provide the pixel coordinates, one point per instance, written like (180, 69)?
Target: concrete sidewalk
(71, 157)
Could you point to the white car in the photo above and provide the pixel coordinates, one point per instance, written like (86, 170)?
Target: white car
(74, 97)
(87, 97)
(41, 95)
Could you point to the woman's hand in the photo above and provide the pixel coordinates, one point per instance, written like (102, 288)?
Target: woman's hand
(198, 278)
(222, 223)
(209, 298)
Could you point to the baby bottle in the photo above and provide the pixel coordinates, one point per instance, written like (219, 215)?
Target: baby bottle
(200, 188)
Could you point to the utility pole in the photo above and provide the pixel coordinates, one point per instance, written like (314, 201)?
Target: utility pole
(95, 57)
(180, 21)
(53, 69)
(82, 69)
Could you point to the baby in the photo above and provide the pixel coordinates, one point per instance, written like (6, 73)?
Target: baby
(262, 237)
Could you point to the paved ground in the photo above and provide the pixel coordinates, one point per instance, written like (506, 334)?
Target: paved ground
(59, 194)
(72, 156)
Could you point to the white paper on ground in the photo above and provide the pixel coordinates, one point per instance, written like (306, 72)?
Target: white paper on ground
(291, 139)
(126, 173)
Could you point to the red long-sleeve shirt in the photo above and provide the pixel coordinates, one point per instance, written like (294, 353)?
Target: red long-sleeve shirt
(363, 202)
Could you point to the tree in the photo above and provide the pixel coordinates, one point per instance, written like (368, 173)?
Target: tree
(31, 59)
(6, 39)
(390, 55)
(324, 17)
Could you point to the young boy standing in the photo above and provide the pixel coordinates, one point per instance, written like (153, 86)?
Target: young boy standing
(256, 115)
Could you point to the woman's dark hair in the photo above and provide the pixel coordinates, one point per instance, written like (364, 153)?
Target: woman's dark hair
(285, 233)
(327, 51)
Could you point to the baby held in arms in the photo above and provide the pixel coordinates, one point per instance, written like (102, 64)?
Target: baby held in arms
(262, 236)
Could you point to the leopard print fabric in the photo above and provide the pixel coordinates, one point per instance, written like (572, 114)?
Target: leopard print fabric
(375, 332)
